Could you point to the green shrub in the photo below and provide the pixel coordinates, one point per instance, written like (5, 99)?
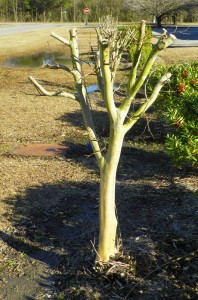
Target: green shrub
(147, 46)
(178, 104)
(146, 49)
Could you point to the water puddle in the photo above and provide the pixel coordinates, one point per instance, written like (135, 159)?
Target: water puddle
(95, 88)
(42, 58)
(92, 88)
(37, 60)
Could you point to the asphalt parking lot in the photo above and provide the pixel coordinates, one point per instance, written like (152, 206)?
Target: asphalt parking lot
(187, 36)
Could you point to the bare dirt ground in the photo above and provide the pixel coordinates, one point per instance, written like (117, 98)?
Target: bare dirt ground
(49, 207)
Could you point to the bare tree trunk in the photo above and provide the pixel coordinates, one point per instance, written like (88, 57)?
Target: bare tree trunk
(61, 13)
(107, 213)
(6, 11)
(159, 21)
(44, 16)
(15, 10)
(108, 220)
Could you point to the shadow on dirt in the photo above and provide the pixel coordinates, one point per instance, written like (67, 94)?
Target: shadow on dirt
(57, 226)
(51, 223)
(146, 130)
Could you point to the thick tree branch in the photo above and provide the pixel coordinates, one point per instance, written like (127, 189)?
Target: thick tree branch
(162, 44)
(98, 67)
(57, 67)
(144, 107)
(107, 79)
(43, 91)
(60, 38)
(137, 56)
(80, 89)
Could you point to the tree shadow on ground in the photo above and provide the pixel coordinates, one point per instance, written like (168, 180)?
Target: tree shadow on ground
(135, 163)
(55, 84)
(58, 226)
(51, 223)
(147, 129)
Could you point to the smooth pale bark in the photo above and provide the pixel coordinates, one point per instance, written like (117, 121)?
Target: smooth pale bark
(43, 91)
(120, 118)
(107, 217)
(107, 213)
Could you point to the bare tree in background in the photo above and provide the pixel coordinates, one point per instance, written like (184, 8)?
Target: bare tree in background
(160, 9)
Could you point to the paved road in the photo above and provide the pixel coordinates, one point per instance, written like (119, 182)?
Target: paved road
(186, 36)
(14, 28)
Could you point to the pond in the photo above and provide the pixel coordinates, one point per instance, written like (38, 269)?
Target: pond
(44, 58)
(37, 60)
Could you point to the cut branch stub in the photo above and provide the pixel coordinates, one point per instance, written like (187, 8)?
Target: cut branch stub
(44, 92)
(60, 38)
(57, 67)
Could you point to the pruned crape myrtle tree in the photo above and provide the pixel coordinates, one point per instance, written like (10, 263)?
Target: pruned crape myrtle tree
(111, 44)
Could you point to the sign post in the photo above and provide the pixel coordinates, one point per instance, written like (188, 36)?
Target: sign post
(87, 12)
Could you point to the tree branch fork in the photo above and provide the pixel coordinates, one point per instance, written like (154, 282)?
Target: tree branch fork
(105, 70)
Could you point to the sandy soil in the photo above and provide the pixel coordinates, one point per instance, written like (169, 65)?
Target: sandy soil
(49, 207)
